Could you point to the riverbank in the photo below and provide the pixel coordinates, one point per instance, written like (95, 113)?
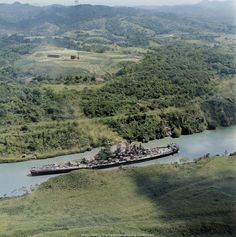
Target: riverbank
(194, 199)
(13, 176)
(44, 156)
(51, 139)
(54, 154)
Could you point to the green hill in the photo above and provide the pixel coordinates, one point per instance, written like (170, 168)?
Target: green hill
(184, 86)
(173, 86)
(119, 20)
(135, 73)
(195, 199)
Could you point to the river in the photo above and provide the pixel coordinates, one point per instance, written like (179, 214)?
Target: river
(14, 180)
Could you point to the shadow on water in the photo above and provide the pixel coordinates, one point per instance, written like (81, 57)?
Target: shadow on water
(191, 205)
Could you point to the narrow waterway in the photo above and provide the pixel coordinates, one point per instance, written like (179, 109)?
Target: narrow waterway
(14, 180)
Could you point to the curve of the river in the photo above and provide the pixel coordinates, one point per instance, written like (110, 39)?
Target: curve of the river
(14, 180)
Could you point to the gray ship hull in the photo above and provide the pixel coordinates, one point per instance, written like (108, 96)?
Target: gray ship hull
(125, 161)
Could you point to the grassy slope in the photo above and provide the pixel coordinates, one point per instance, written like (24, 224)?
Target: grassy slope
(90, 62)
(85, 134)
(196, 199)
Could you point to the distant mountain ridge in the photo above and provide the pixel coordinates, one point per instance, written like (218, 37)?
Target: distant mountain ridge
(25, 17)
(207, 8)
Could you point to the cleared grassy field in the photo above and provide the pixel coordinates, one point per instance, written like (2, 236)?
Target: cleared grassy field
(98, 64)
(196, 199)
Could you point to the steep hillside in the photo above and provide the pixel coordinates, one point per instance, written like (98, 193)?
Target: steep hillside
(133, 73)
(185, 87)
(196, 199)
(173, 86)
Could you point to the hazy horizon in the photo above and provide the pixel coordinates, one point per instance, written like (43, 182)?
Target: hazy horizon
(108, 2)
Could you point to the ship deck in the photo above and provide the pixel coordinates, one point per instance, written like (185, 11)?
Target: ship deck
(155, 153)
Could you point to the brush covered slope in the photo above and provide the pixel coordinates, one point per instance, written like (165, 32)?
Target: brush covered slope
(195, 199)
(114, 74)
(174, 86)
(183, 87)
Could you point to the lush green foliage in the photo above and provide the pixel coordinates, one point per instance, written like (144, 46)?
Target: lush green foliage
(178, 76)
(50, 139)
(183, 84)
(22, 103)
(170, 76)
(144, 127)
(11, 49)
(195, 199)
(171, 89)
(68, 80)
(220, 111)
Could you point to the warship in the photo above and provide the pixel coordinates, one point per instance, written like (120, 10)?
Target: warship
(106, 158)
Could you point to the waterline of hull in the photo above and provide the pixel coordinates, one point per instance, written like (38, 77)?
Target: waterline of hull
(14, 180)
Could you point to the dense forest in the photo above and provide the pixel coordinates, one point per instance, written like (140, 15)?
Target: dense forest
(174, 76)
(74, 78)
(181, 79)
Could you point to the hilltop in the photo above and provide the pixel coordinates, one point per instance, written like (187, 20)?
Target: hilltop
(118, 20)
